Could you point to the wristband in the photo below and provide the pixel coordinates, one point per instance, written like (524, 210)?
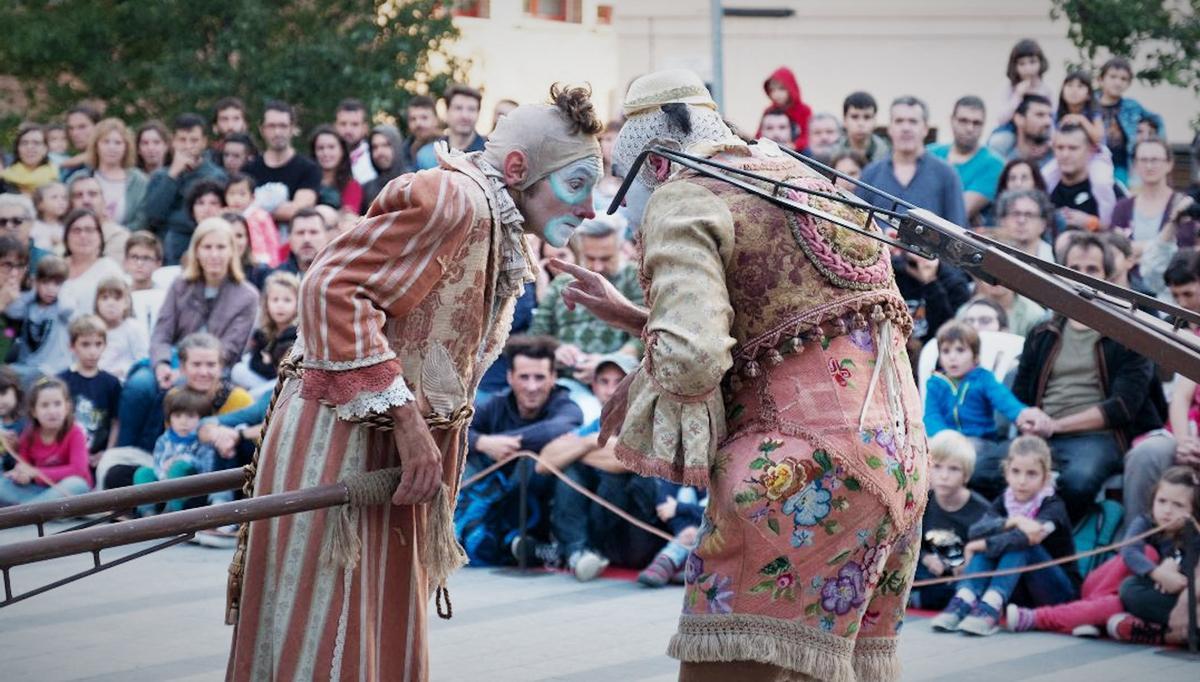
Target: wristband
(1092, 224)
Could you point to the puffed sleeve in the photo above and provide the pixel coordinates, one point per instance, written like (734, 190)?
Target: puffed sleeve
(378, 271)
(675, 415)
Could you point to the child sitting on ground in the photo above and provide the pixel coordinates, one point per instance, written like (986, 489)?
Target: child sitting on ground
(96, 393)
(52, 459)
(963, 396)
(179, 452)
(1026, 525)
(1100, 602)
(1155, 597)
(682, 510)
(270, 343)
(128, 341)
(951, 511)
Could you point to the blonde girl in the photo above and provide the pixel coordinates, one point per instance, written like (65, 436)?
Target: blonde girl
(1027, 524)
(128, 338)
(276, 332)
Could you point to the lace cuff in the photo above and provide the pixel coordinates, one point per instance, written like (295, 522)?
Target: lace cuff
(670, 438)
(367, 403)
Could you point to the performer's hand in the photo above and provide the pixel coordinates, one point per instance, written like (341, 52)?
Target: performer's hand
(420, 459)
(612, 417)
(594, 292)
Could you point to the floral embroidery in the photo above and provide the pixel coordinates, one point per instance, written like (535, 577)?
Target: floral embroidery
(717, 591)
(900, 465)
(809, 506)
(779, 580)
(693, 569)
(840, 371)
(863, 339)
(802, 537)
(844, 592)
(806, 486)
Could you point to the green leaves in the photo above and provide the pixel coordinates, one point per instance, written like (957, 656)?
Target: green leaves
(157, 59)
(1162, 39)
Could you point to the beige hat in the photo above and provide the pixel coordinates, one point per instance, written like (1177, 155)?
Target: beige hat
(546, 137)
(669, 86)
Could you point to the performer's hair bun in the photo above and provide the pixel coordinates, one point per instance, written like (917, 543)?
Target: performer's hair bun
(576, 103)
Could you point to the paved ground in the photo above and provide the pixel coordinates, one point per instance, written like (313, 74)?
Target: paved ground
(159, 618)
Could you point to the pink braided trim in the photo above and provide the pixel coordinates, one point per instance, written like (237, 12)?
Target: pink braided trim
(647, 465)
(338, 388)
(822, 249)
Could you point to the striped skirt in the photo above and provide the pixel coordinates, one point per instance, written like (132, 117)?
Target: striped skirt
(304, 618)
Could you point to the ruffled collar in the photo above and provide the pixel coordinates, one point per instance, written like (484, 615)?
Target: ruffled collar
(517, 265)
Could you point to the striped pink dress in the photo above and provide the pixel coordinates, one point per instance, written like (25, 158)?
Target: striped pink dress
(434, 269)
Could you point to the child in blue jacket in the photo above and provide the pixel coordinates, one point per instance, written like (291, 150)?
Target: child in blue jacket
(963, 396)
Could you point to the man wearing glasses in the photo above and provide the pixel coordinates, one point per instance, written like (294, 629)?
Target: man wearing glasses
(16, 219)
(977, 166)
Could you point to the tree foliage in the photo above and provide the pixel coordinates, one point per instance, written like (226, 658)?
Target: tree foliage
(1160, 37)
(154, 59)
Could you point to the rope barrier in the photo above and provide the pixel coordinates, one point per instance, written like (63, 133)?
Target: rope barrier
(920, 583)
(1040, 565)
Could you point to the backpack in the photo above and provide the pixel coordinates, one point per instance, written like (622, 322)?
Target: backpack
(486, 516)
(1097, 528)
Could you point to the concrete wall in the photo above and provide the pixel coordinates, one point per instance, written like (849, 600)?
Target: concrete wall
(517, 57)
(938, 50)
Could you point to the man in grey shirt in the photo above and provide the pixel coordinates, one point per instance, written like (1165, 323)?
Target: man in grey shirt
(908, 172)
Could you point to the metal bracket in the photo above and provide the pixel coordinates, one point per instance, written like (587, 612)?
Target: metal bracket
(97, 566)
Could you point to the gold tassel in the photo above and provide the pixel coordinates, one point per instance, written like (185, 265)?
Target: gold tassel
(344, 544)
(442, 554)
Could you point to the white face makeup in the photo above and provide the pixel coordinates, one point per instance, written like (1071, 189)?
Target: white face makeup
(571, 185)
(635, 203)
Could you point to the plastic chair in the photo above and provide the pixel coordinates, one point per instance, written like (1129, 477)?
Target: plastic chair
(998, 352)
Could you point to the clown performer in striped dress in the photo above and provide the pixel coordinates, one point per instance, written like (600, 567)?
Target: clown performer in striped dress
(775, 375)
(400, 316)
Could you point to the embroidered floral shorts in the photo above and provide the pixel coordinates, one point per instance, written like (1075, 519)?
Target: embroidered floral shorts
(797, 565)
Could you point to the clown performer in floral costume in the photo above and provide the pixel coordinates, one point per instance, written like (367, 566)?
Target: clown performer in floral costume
(775, 375)
(400, 317)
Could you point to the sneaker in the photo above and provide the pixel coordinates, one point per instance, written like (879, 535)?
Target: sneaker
(1126, 627)
(1087, 631)
(224, 537)
(950, 617)
(537, 553)
(983, 621)
(658, 573)
(1018, 619)
(587, 565)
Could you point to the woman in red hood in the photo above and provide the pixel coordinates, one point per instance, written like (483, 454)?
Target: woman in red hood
(784, 93)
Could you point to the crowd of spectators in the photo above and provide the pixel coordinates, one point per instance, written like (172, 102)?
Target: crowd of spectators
(149, 280)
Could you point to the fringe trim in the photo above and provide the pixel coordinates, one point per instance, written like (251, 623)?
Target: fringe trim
(876, 658)
(442, 555)
(645, 465)
(741, 637)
